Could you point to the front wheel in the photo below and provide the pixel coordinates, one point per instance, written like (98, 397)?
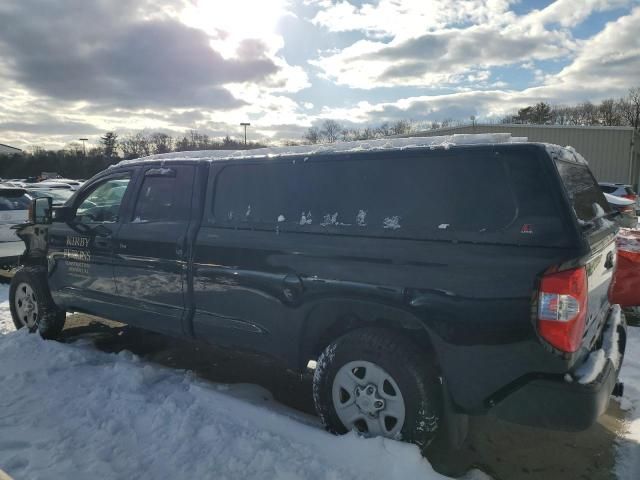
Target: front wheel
(31, 304)
(378, 383)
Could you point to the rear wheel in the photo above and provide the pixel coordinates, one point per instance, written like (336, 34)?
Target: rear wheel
(31, 304)
(378, 383)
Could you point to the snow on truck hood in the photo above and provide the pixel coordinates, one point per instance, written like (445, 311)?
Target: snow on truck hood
(445, 142)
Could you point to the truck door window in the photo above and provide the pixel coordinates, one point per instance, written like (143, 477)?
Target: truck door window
(162, 195)
(103, 203)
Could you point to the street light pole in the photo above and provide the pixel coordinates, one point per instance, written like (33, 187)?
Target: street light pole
(84, 148)
(245, 125)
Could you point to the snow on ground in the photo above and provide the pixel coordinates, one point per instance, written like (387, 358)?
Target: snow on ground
(68, 411)
(628, 451)
(6, 324)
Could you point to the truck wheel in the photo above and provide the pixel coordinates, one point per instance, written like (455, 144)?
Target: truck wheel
(377, 382)
(31, 304)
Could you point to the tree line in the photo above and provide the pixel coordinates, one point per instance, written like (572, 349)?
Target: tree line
(610, 112)
(71, 161)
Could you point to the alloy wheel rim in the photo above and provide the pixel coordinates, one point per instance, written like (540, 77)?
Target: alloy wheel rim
(26, 304)
(368, 399)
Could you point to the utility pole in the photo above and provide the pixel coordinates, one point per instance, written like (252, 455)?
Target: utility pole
(245, 125)
(84, 148)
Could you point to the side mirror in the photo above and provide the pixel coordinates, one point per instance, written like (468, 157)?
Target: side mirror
(41, 209)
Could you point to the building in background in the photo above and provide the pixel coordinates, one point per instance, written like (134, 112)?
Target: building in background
(6, 149)
(613, 153)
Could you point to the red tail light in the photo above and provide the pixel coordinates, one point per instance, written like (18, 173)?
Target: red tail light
(562, 308)
(631, 197)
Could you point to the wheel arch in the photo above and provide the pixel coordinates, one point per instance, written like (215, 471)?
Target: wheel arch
(332, 318)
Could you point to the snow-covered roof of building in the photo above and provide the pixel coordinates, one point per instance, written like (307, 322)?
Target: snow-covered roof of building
(445, 142)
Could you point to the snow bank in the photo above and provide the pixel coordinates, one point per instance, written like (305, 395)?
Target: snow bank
(628, 450)
(6, 324)
(70, 411)
(445, 142)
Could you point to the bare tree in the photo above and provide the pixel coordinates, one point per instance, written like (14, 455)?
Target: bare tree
(330, 130)
(182, 145)
(73, 148)
(368, 133)
(608, 113)
(401, 127)
(130, 147)
(312, 135)
(384, 130)
(144, 143)
(630, 108)
(161, 143)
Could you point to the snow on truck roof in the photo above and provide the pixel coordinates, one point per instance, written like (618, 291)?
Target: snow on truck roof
(445, 142)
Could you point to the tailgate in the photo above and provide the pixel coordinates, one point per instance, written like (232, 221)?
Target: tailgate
(600, 266)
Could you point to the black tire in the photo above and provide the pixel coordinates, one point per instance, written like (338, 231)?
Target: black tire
(49, 320)
(411, 369)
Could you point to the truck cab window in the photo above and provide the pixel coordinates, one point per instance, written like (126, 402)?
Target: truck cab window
(165, 195)
(103, 203)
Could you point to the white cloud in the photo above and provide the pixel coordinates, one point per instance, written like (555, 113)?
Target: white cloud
(432, 44)
(605, 66)
(406, 18)
(569, 13)
(439, 58)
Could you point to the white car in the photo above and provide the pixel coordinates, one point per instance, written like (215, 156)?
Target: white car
(49, 184)
(625, 207)
(623, 191)
(74, 184)
(14, 209)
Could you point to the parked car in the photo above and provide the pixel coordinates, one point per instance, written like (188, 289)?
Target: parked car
(49, 184)
(626, 207)
(623, 191)
(58, 195)
(14, 209)
(417, 312)
(73, 184)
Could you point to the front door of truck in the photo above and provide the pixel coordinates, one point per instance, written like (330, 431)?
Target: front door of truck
(81, 246)
(150, 261)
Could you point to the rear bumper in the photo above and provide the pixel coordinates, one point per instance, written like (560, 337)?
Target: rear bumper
(570, 403)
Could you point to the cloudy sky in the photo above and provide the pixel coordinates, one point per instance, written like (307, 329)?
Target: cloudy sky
(72, 68)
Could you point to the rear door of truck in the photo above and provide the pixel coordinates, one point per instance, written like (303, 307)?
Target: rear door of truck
(597, 229)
